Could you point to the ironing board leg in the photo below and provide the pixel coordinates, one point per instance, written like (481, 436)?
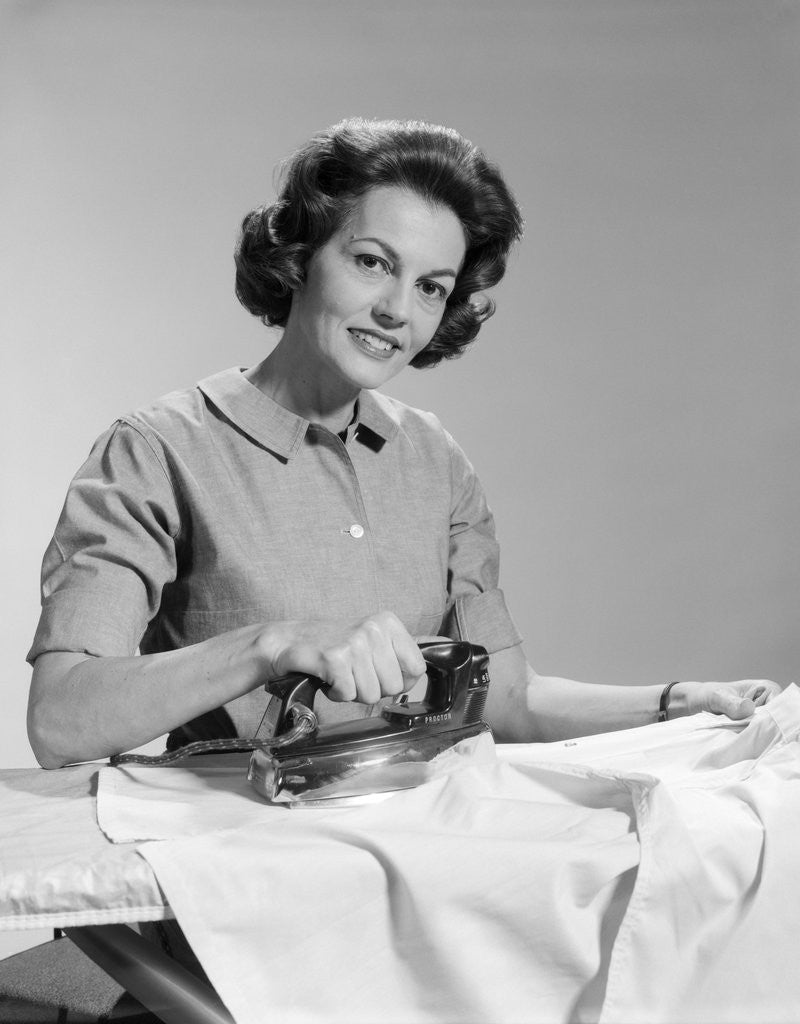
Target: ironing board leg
(159, 983)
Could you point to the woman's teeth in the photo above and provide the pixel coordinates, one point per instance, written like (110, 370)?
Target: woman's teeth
(372, 341)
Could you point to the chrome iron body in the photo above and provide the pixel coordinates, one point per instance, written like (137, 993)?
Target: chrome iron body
(411, 743)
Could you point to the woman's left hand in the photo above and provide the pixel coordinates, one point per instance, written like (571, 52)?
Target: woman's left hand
(737, 700)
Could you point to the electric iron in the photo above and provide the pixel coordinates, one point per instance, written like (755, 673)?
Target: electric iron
(368, 759)
(295, 763)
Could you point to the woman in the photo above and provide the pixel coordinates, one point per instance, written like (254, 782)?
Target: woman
(290, 517)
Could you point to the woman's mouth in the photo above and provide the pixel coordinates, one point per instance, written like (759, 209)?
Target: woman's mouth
(376, 345)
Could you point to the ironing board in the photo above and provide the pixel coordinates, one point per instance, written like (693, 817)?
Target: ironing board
(730, 832)
(58, 870)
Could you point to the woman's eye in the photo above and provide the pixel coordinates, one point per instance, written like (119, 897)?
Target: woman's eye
(370, 262)
(432, 290)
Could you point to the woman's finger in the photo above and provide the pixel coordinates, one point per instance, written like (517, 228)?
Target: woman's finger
(398, 660)
(388, 672)
(726, 701)
(409, 658)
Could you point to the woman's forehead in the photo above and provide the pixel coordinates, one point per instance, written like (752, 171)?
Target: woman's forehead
(407, 222)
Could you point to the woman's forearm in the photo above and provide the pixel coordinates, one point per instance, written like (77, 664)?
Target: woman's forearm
(560, 708)
(82, 708)
(524, 707)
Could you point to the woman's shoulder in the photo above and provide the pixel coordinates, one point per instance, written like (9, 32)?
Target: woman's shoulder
(399, 416)
(174, 408)
(177, 415)
(429, 440)
(422, 428)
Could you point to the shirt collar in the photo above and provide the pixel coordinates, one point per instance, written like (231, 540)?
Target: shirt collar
(274, 427)
(377, 414)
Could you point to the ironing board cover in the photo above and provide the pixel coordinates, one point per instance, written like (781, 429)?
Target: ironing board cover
(56, 866)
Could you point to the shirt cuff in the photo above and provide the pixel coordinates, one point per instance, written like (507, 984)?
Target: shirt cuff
(483, 619)
(85, 621)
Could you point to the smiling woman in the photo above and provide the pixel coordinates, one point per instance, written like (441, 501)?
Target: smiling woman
(289, 517)
(292, 518)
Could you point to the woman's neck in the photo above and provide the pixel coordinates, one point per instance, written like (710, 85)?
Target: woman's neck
(305, 396)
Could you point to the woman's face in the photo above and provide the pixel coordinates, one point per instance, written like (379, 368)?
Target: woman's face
(375, 292)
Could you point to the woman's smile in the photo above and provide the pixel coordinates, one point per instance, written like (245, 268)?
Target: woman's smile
(373, 343)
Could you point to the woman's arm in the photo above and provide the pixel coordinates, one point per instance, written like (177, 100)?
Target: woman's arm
(82, 708)
(524, 707)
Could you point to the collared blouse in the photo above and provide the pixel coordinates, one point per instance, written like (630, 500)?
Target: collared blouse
(216, 508)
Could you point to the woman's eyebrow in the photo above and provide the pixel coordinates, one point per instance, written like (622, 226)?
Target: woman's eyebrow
(395, 256)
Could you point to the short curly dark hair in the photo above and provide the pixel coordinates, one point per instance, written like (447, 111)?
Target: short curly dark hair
(322, 180)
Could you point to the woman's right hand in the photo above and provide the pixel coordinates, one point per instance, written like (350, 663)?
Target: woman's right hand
(362, 661)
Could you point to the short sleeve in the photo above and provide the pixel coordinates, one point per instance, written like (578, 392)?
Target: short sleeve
(476, 608)
(113, 550)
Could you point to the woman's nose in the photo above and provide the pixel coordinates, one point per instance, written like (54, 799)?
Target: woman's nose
(392, 304)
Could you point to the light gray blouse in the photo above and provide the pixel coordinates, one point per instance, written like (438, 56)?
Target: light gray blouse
(216, 508)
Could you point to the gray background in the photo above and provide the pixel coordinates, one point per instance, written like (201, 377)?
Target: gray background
(632, 407)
